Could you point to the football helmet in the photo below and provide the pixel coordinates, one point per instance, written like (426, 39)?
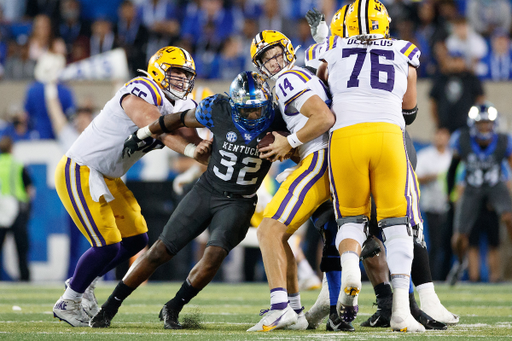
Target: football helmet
(174, 70)
(250, 100)
(338, 26)
(367, 17)
(264, 41)
(483, 113)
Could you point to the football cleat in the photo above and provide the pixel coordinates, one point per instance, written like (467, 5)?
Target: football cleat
(71, 312)
(89, 301)
(310, 283)
(275, 319)
(382, 317)
(103, 318)
(428, 322)
(170, 318)
(347, 313)
(405, 322)
(320, 309)
(301, 324)
(336, 324)
(431, 305)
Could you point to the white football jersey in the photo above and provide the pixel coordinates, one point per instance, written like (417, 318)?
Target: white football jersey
(293, 88)
(100, 145)
(368, 80)
(315, 51)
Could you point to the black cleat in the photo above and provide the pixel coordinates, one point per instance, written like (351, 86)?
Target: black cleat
(370, 248)
(170, 318)
(335, 324)
(382, 316)
(428, 322)
(103, 318)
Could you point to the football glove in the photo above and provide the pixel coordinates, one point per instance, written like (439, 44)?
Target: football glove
(316, 21)
(133, 144)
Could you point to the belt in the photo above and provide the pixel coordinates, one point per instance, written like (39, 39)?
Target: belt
(237, 196)
(231, 195)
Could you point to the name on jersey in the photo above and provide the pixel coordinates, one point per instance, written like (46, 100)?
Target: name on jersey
(237, 148)
(379, 42)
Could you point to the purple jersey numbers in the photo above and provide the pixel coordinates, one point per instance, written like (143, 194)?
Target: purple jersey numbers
(287, 85)
(376, 67)
(138, 92)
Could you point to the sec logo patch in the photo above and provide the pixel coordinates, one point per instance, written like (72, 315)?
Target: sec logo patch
(231, 136)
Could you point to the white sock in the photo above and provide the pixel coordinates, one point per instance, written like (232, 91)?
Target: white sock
(294, 300)
(350, 276)
(278, 296)
(71, 294)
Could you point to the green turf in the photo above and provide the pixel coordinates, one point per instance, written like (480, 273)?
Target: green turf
(225, 311)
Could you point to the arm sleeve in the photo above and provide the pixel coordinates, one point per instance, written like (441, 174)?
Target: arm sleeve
(204, 111)
(27, 181)
(452, 171)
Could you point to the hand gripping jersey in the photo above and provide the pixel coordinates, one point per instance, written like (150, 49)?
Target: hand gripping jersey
(293, 89)
(235, 166)
(483, 165)
(368, 79)
(100, 145)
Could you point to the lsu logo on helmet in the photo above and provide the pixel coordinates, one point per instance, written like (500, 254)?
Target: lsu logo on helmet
(367, 17)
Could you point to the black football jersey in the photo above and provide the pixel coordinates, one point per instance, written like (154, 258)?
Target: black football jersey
(483, 165)
(235, 165)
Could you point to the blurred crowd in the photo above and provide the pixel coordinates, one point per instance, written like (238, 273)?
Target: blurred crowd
(462, 43)
(218, 32)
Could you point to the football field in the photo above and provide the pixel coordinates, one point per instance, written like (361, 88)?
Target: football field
(225, 311)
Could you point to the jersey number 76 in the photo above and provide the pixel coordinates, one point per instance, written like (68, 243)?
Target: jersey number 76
(376, 67)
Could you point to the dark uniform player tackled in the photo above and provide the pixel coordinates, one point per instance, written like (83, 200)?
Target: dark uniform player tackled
(223, 199)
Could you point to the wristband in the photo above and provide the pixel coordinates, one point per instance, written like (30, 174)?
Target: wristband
(143, 133)
(189, 150)
(293, 140)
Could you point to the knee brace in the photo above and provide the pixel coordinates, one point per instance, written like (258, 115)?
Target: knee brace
(399, 244)
(419, 237)
(352, 228)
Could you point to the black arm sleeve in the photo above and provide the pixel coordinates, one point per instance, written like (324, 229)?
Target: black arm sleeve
(27, 181)
(450, 177)
(410, 115)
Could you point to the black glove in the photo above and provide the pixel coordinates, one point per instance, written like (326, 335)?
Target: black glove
(156, 144)
(133, 144)
(314, 16)
(316, 21)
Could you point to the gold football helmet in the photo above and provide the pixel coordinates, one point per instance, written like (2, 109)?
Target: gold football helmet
(174, 70)
(263, 42)
(338, 26)
(365, 17)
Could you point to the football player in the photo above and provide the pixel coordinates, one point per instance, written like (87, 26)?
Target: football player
(375, 264)
(88, 183)
(223, 199)
(370, 133)
(483, 150)
(302, 98)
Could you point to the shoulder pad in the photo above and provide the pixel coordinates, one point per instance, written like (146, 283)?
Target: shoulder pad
(410, 51)
(146, 89)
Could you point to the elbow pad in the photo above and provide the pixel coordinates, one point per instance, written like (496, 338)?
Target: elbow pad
(410, 114)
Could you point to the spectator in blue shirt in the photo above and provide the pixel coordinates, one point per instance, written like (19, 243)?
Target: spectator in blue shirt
(47, 69)
(498, 62)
